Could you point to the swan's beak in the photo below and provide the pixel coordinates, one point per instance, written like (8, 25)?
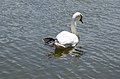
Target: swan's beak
(81, 19)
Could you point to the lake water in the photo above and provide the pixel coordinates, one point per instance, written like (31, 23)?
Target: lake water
(24, 23)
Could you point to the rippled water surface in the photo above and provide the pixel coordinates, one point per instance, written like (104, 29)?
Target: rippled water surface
(24, 23)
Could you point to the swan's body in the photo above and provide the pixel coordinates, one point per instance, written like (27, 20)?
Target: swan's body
(66, 39)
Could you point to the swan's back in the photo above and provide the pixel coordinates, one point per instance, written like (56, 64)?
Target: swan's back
(67, 38)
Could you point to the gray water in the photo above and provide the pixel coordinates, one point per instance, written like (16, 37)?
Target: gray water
(24, 23)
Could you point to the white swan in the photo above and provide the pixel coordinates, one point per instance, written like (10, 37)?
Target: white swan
(66, 39)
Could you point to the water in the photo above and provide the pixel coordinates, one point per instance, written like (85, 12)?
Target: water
(24, 23)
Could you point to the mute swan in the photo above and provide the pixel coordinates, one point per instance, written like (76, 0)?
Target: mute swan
(66, 39)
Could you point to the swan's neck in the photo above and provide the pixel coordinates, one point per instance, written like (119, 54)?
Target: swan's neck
(73, 27)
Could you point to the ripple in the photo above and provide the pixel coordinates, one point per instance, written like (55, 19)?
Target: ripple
(25, 23)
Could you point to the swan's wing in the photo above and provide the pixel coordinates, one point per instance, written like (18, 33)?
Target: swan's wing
(67, 38)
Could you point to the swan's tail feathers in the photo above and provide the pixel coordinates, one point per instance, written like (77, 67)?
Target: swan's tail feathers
(49, 41)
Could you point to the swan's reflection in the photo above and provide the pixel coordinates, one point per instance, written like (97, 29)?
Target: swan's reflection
(58, 52)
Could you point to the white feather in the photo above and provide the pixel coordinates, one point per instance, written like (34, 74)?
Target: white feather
(65, 38)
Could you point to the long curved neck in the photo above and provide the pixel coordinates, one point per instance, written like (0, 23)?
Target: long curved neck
(73, 27)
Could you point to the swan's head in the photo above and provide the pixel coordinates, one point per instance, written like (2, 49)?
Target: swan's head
(78, 16)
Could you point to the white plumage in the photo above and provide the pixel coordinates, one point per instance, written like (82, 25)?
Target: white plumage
(67, 39)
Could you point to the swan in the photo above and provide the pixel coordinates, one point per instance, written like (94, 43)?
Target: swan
(66, 39)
